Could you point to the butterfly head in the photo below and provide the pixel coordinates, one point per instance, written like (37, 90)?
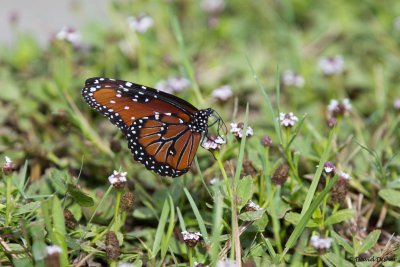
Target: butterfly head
(200, 122)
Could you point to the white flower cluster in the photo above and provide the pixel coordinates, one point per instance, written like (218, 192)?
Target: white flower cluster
(173, 84)
(53, 250)
(117, 177)
(287, 119)
(332, 65)
(213, 6)
(141, 23)
(237, 130)
(222, 93)
(320, 242)
(396, 104)
(70, 35)
(226, 263)
(337, 107)
(213, 143)
(291, 78)
(191, 236)
(252, 206)
(345, 176)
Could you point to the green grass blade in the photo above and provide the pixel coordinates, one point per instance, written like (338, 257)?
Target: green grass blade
(160, 228)
(242, 147)
(317, 175)
(201, 176)
(186, 62)
(196, 212)
(166, 239)
(267, 100)
(217, 226)
(180, 218)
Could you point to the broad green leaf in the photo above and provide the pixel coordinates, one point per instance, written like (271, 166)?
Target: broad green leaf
(368, 242)
(340, 216)
(294, 218)
(32, 206)
(58, 216)
(392, 197)
(280, 206)
(39, 247)
(342, 242)
(143, 213)
(244, 191)
(59, 230)
(251, 215)
(58, 180)
(80, 197)
(335, 260)
(260, 224)
(22, 262)
(39, 250)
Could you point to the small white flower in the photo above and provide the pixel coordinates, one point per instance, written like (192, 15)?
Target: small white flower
(396, 23)
(222, 93)
(173, 84)
(333, 104)
(291, 78)
(70, 35)
(336, 107)
(344, 175)
(213, 6)
(213, 181)
(213, 143)
(8, 160)
(178, 84)
(320, 242)
(287, 119)
(331, 65)
(53, 250)
(141, 23)
(329, 167)
(117, 177)
(237, 130)
(8, 165)
(251, 206)
(191, 235)
(164, 86)
(124, 264)
(226, 263)
(396, 104)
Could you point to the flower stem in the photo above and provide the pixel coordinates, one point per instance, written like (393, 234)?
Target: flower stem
(262, 177)
(116, 214)
(324, 205)
(8, 197)
(221, 167)
(190, 256)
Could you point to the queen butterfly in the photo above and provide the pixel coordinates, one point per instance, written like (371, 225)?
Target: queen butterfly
(163, 131)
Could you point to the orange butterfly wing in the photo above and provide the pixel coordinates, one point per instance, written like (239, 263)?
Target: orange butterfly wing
(156, 124)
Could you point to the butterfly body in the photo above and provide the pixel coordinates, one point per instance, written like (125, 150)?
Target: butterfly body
(163, 131)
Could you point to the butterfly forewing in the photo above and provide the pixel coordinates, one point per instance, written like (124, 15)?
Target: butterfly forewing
(155, 123)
